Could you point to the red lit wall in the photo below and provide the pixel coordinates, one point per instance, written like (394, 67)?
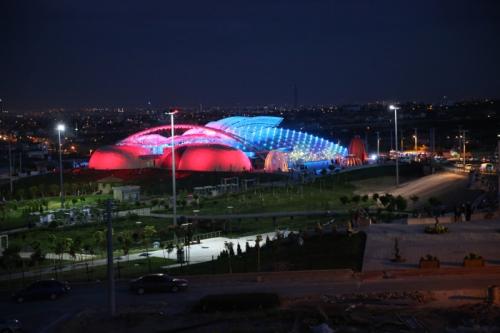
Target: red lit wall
(118, 157)
(214, 158)
(165, 161)
(357, 148)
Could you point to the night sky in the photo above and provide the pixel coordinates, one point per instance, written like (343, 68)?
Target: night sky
(126, 53)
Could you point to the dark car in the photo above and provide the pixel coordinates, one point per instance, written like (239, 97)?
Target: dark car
(10, 326)
(44, 289)
(157, 283)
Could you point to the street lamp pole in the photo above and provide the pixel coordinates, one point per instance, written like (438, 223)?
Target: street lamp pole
(10, 165)
(174, 197)
(378, 144)
(60, 128)
(395, 108)
(416, 138)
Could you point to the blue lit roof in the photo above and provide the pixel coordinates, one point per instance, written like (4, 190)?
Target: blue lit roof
(253, 135)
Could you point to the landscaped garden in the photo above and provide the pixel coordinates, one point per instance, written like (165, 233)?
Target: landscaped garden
(305, 251)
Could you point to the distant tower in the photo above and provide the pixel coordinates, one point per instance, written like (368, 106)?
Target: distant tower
(295, 96)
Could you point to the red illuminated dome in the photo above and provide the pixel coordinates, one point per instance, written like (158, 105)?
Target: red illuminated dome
(357, 149)
(214, 158)
(165, 161)
(118, 157)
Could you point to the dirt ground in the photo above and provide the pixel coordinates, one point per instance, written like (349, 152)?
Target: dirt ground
(382, 312)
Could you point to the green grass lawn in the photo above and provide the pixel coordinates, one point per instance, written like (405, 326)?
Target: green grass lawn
(16, 214)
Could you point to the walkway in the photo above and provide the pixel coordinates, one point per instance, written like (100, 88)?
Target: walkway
(481, 237)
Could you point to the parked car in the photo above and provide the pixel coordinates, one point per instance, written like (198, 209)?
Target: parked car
(157, 283)
(44, 289)
(10, 326)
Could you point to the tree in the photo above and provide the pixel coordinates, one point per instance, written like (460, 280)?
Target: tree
(99, 240)
(414, 199)
(258, 239)
(400, 203)
(229, 249)
(344, 200)
(170, 248)
(149, 232)
(11, 258)
(356, 198)
(125, 241)
(75, 248)
(54, 189)
(238, 250)
(37, 257)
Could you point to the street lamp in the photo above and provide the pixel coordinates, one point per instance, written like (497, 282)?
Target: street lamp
(415, 137)
(174, 197)
(6, 138)
(60, 128)
(395, 108)
(378, 145)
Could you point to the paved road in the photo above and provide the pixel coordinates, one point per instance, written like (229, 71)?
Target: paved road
(43, 316)
(480, 237)
(432, 184)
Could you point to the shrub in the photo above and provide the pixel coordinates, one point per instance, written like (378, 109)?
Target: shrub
(429, 257)
(344, 200)
(472, 256)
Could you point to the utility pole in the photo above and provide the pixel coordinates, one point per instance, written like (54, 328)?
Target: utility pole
(416, 138)
(378, 144)
(111, 278)
(60, 128)
(463, 143)
(174, 195)
(395, 109)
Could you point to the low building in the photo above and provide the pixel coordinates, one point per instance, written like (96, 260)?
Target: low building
(127, 193)
(105, 185)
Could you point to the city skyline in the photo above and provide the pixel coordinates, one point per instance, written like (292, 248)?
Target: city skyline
(81, 54)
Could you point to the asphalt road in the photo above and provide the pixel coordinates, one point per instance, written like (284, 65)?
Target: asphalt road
(44, 316)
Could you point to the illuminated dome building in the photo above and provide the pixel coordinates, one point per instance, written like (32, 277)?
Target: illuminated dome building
(229, 144)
